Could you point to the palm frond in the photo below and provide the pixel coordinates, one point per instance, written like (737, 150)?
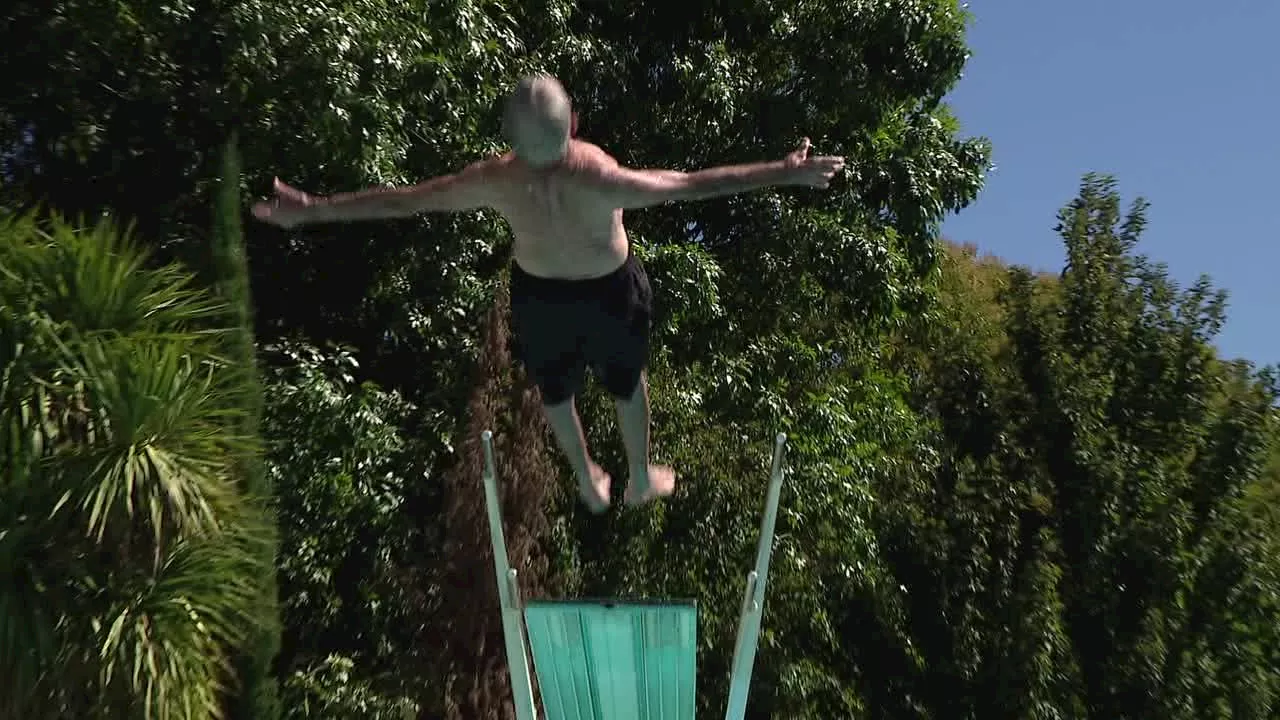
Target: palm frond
(163, 450)
(131, 556)
(161, 643)
(28, 641)
(79, 630)
(96, 279)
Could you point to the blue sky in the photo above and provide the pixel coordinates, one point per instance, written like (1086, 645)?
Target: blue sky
(1179, 100)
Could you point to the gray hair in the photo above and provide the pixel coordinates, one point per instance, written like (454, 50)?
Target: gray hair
(538, 111)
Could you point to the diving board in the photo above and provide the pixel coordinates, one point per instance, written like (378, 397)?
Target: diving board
(619, 659)
(616, 660)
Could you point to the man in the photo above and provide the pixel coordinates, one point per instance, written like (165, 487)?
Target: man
(579, 298)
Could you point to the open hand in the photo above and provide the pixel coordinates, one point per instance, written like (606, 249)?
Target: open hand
(812, 171)
(286, 209)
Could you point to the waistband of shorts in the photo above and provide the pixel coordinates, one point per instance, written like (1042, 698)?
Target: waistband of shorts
(537, 284)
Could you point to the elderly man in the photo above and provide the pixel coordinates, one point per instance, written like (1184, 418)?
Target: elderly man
(579, 298)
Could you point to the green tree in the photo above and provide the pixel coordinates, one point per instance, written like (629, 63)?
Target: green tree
(757, 293)
(344, 96)
(132, 556)
(351, 593)
(1148, 442)
(258, 698)
(1083, 548)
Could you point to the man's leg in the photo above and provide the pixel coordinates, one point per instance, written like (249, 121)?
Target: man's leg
(633, 422)
(621, 351)
(546, 342)
(593, 482)
(646, 482)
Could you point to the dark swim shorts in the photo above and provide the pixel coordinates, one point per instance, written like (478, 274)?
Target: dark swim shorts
(562, 327)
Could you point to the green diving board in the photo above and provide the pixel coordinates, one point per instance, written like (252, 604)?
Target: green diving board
(619, 659)
(614, 660)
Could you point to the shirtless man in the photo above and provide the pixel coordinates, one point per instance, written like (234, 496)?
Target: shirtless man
(579, 298)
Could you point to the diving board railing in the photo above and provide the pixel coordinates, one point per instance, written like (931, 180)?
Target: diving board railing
(744, 650)
(619, 659)
(508, 591)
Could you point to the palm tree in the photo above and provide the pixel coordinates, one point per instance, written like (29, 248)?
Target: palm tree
(130, 552)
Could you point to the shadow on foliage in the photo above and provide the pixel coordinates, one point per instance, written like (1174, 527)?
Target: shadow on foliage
(502, 401)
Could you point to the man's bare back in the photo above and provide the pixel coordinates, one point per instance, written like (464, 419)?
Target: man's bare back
(579, 296)
(561, 225)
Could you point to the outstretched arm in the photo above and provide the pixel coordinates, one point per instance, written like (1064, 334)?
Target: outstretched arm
(628, 188)
(718, 181)
(466, 190)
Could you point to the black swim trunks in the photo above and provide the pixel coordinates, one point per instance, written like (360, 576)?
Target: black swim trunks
(562, 327)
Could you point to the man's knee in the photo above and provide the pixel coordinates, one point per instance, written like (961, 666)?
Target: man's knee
(625, 386)
(556, 395)
(559, 404)
(556, 383)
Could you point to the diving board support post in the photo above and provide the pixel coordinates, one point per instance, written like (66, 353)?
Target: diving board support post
(513, 630)
(744, 650)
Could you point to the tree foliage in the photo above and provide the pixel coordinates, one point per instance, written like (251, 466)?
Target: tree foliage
(258, 695)
(1097, 463)
(1011, 495)
(131, 554)
(353, 595)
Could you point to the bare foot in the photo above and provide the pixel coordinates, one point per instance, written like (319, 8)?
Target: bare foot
(594, 489)
(658, 481)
